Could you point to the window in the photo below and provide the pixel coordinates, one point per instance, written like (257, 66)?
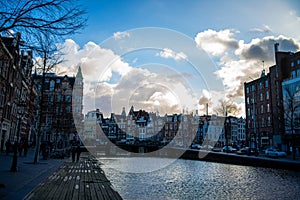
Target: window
(267, 83)
(260, 85)
(248, 111)
(68, 98)
(267, 95)
(292, 64)
(59, 98)
(294, 75)
(268, 107)
(58, 81)
(68, 109)
(298, 61)
(248, 100)
(50, 98)
(252, 100)
(261, 97)
(253, 88)
(269, 121)
(263, 122)
(247, 90)
(52, 83)
(261, 109)
(1, 98)
(49, 120)
(78, 99)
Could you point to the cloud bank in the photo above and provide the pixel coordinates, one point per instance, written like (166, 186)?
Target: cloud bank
(110, 83)
(239, 61)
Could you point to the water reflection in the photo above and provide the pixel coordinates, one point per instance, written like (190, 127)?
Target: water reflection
(188, 179)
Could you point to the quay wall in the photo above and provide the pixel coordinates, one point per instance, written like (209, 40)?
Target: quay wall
(242, 160)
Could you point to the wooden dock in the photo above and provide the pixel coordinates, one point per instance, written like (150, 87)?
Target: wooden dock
(82, 180)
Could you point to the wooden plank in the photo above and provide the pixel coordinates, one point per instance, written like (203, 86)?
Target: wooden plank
(77, 181)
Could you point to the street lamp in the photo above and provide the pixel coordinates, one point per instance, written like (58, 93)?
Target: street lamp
(14, 164)
(227, 125)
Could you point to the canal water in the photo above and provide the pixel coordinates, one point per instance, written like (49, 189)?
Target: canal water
(189, 179)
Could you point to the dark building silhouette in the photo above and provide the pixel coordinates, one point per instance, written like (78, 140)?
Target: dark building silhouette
(15, 90)
(61, 107)
(264, 102)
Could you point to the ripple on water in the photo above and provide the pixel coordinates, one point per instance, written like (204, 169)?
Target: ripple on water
(188, 179)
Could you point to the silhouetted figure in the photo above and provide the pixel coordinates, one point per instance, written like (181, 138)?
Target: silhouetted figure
(78, 151)
(74, 149)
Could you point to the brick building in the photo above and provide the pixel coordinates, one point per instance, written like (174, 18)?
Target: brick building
(15, 90)
(265, 103)
(258, 112)
(61, 107)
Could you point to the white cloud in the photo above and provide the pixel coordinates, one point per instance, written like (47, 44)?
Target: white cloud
(169, 53)
(238, 61)
(120, 35)
(216, 42)
(110, 83)
(265, 29)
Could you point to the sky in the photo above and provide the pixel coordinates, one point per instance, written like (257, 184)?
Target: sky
(177, 56)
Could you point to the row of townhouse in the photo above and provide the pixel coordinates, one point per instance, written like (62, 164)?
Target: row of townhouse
(17, 91)
(178, 129)
(23, 104)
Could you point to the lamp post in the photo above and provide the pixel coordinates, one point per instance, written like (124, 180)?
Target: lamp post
(227, 124)
(2, 108)
(14, 164)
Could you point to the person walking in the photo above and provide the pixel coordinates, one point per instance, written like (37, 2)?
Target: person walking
(78, 151)
(74, 148)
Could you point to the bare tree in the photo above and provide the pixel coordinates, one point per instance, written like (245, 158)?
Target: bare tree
(42, 24)
(48, 57)
(56, 17)
(291, 113)
(226, 106)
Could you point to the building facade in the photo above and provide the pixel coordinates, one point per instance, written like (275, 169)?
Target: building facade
(265, 118)
(259, 113)
(61, 107)
(15, 91)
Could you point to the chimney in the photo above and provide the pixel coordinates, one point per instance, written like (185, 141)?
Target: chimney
(276, 47)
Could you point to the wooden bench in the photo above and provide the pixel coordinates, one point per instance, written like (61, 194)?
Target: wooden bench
(82, 180)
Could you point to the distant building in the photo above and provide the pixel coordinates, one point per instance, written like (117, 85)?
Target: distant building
(91, 124)
(77, 103)
(57, 113)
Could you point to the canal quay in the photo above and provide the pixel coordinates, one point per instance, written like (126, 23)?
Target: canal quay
(125, 176)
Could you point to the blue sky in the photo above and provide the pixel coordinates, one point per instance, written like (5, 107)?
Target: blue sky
(209, 47)
(189, 17)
